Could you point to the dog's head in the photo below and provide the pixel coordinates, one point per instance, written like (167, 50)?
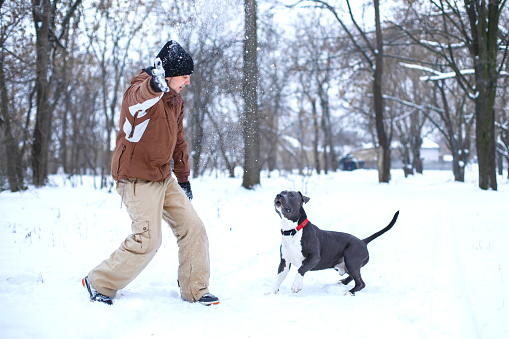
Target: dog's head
(288, 204)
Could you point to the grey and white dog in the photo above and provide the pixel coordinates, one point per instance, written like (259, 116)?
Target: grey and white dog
(311, 249)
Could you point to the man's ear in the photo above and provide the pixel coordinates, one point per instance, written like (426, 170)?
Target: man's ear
(304, 198)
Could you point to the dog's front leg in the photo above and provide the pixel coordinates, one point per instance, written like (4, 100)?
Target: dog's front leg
(282, 272)
(297, 283)
(308, 263)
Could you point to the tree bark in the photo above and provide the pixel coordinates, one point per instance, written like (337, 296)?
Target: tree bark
(316, 136)
(41, 13)
(384, 152)
(415, 147)
(14, 166)
(250, 95)
(484, 20)
(331, 160)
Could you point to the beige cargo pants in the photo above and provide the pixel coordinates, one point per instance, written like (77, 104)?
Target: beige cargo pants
(147, 204)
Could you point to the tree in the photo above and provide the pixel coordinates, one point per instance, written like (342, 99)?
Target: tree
(11, 17)
(48, 35)
(373, 56)
(274, 87)
(503, 127)
(476, 28)
(444, 106)
(111, 48)
(250, 120)
(317, 73)
(207, 59)
(409, 122)
(483, 45)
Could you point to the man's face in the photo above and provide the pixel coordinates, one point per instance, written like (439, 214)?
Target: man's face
(177, 83)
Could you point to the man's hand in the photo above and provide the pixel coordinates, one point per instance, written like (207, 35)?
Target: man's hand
(158, 82)
(186, 186)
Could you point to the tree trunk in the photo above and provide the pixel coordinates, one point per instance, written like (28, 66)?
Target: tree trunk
(272, 151)
(485, 144)
(325, 151)
(65, 131)
(503, 150)
(484, 20)
(250, 95)
(416, 142)
(316, 137)
(273, 121)
(332, 162)
(458, 168)
(42, 131)
(416, 154)
(197, 139)
(384, 152)
(500, 164)
(108, 155)
(14, 166)
(407, 166)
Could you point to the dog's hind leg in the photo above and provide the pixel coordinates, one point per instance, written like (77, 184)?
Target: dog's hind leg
(353, 267)
(354, 270)
(355, 258)
(346, 281)
(359, 284)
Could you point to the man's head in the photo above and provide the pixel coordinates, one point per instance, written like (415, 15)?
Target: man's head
(176, 61)
(177, 64)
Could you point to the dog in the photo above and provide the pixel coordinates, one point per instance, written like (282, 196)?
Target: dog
(311, 249)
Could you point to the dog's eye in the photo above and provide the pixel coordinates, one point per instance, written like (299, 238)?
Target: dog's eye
(288, 210)
(291, 194)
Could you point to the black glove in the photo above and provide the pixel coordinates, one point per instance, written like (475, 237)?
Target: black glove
(157, 82)
(186, 186)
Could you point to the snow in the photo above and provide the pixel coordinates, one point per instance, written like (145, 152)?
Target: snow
(441, 45)
(441, 272)
(447, 157)
(428, 143)
(447, 75)
(439, 75)
(419, 67)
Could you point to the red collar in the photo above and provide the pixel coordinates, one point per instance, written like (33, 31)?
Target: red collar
(292, 232)
(302, 224)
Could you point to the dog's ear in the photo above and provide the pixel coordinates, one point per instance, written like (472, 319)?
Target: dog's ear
(304, 198)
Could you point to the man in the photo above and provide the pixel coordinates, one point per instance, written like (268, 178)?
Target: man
(151, 135)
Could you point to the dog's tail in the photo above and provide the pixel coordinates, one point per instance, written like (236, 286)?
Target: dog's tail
(379, 233)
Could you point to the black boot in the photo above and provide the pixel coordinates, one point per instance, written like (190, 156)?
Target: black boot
(208, 299)
(94, 295)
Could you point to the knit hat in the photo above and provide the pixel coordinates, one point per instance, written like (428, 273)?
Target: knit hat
(176, 61)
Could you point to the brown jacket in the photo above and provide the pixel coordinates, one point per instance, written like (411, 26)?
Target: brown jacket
(151, 134)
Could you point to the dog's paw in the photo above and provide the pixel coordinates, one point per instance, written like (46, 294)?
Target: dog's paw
(345, 281)
(349, 294)
(297, 283)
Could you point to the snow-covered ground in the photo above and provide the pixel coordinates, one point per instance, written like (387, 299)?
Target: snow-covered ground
(441, 272)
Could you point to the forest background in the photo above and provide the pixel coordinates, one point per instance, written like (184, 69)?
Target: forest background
(278, 85)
